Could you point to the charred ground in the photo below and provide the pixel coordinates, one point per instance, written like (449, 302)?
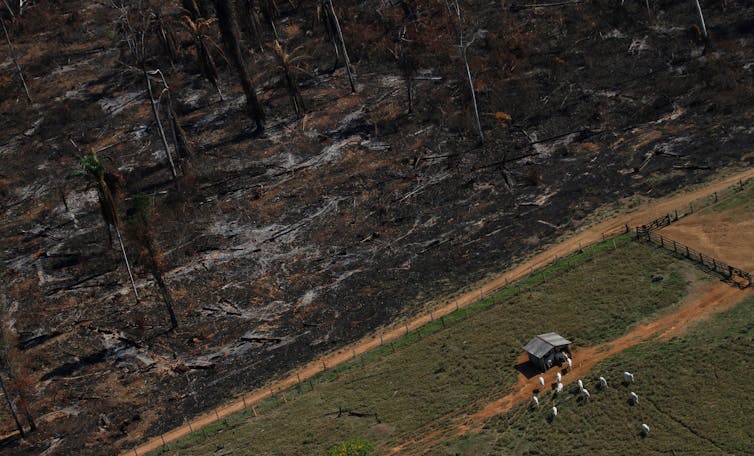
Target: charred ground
(284, 245)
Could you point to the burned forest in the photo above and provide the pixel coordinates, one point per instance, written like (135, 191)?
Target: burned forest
(199, 196)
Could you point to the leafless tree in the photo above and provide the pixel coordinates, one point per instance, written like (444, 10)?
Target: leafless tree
(406, 64)
(227, 17)
(13, 57)
(463, 47)
(136, 32)
(332, 25)
(204, 46)
(289, 76)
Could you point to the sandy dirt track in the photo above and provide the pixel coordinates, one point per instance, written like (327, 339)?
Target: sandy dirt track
(591, 234)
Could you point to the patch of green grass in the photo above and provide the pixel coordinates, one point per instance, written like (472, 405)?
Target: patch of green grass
(740, 200)
(694, 392)
(589, 298)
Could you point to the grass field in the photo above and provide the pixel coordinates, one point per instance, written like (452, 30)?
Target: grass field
(590, 298)
(694, 392)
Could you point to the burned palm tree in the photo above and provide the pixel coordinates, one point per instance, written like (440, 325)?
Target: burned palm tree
(204, 44)
(226, 15)
(167, 36)
(250, 23)
(108, 189)
(326, 12)
(139, 224)
(289, 76)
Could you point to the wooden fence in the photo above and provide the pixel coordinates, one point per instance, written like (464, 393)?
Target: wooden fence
(731, 273)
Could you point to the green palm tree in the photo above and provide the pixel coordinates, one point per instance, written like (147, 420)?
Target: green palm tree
(107, 187)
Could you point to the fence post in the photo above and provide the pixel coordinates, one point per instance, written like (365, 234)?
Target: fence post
(715, 196)
(676, 215)
(243, 398)
(382, 341)
(662, 241)
(324, 366)
(714, 264)
(442, 320)
(628, 228)
(691, 208)
(406, 324)
(688, 255)
(675, 247)
(162, 437)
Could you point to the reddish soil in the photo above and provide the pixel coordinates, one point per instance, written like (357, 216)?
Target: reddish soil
(715, 297)
(723, 235)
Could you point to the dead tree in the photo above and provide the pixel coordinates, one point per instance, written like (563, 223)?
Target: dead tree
(14, 59)
(136, 33)
(332, 26)
(251, 25)
(406, 64)
(464, 46)
(702, 26)
(181, 143)
(204, 44)
(156, 114)
(226, 15)
(139, 222)
(167, 37)
(289, 76)
(11, 407)
(108, 188)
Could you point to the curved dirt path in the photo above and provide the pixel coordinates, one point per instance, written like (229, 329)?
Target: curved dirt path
(583, 237)
(708, 299)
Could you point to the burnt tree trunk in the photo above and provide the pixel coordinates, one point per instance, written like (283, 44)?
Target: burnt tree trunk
(15, 61)
(229, 29)
(11, 407)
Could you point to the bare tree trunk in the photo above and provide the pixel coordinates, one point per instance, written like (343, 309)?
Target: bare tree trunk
(463, 46)
(229, 29)
(10, 407)
(342, 44)
(15, 61)
(159, 123)
(164, 291)
(701, 19)
(125, 260)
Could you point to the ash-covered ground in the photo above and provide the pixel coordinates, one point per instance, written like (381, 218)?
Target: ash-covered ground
(284, 245)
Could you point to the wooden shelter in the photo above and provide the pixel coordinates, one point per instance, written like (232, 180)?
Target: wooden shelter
(545, 350)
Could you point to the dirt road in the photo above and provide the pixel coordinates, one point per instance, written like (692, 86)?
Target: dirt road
(711, 298)
(639, 215)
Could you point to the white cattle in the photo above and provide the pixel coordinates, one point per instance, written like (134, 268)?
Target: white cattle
(554, 412)
(628, 377)
(603, 382)
(535, 401)
(559, 388)
(634, 398)
(645, 429)
(541, 380)
(558, 377)
(581, 384)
